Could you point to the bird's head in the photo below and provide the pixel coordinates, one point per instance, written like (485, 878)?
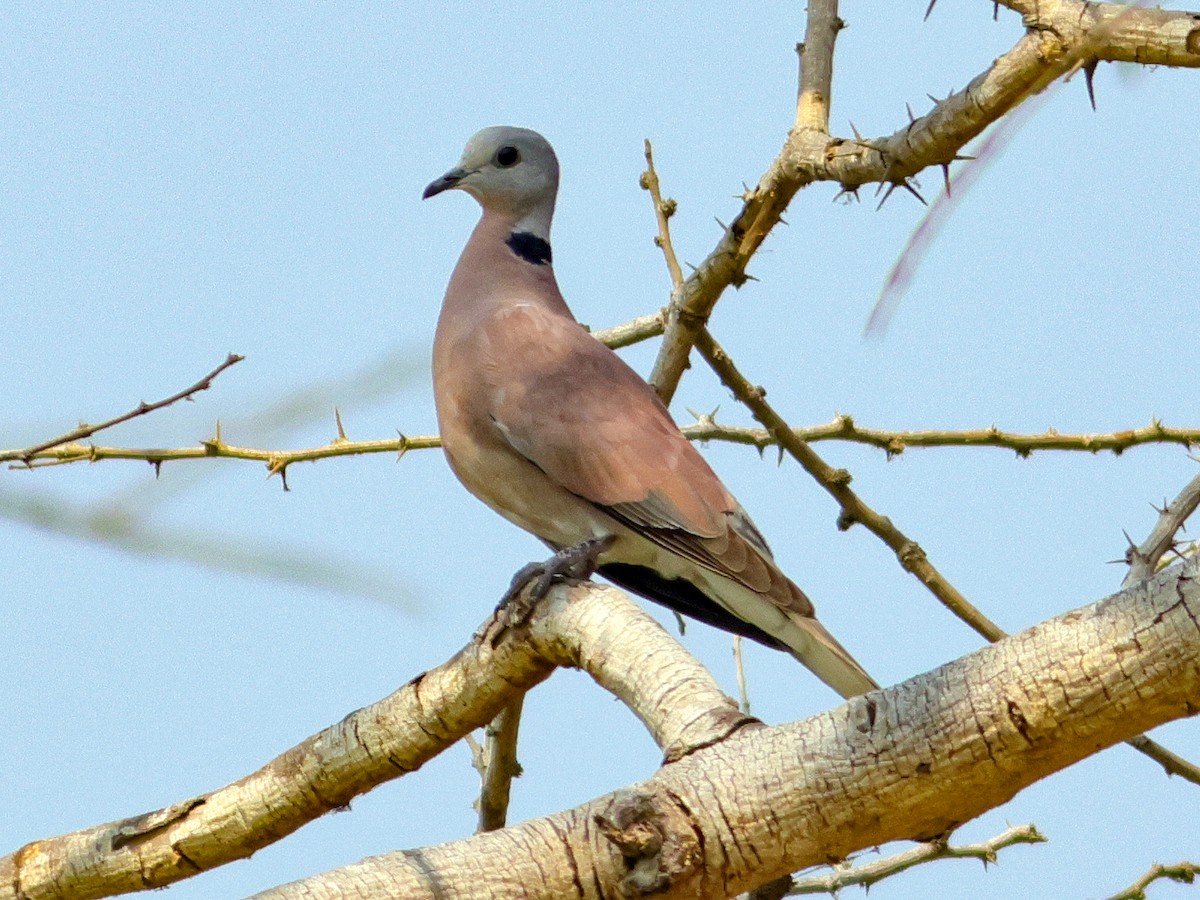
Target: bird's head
(511, 171)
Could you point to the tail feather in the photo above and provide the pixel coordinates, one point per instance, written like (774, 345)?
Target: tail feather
(820, 652)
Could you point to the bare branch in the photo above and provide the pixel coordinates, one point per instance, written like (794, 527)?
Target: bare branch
(1182, 872)
(663, 210)
(871, 873)
(1145, 558)
(84, 430)
(1060, 35)
(590, 627)
(500, 766)
(853, 777)
(845, 428)
(816, 65)
(837, 482)
(911, 556)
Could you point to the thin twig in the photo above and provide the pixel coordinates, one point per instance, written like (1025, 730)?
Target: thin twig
(1182, 872)
(912, 558)
(1144, 558)
(706, 428)
(85, 430)
(632, 332)
(845, 428)
(874, 872)
(1172, 763)
(813, 99)
(663, 210)
(739, 665)
(1110, 31)
(500, 767)
(837, 482)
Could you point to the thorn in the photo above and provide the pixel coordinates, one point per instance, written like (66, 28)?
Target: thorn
(1129, 540)
(761, 451)
(337, 415)
(857, 136)
(891, 187)
(1089, 72)
(157, 463)
(779, 460)
(962, 157)
(724, 227)
(911, 117)
(912, 190)
(783, 221)
(932, 99)
(946, 177)
(929, 9)
(217, 435)
(996, 11)
(278, 466)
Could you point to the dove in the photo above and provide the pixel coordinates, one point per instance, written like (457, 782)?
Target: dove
(557, 434)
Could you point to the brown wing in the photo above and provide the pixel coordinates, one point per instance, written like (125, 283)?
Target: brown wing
(586, 419)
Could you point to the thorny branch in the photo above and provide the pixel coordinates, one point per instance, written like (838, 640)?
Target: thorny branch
(1059, 37)
(706, 428)
(85, 430)
(1144, 559)
(1182, 873)
(871, 873)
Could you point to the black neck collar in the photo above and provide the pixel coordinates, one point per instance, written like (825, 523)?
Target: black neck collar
(529, 247)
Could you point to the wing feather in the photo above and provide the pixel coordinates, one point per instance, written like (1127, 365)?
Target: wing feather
(587, 420)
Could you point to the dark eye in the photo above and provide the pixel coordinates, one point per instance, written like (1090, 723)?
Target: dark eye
(507, 157)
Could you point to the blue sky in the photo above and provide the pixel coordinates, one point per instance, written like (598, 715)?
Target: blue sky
(185, 181)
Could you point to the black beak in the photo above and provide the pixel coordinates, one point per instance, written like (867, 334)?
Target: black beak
(446, 182)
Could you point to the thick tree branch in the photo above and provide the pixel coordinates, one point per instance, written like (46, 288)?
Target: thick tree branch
(590, 627)
(909, 762)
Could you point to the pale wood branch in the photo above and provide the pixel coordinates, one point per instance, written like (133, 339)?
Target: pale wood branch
(910, 762)
(590, 627)
(500, 766)
(816, 65)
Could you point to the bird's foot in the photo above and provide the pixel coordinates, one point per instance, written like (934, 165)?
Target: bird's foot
(533, 581)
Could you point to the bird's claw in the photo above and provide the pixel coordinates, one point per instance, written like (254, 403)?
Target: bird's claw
(533, 581)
